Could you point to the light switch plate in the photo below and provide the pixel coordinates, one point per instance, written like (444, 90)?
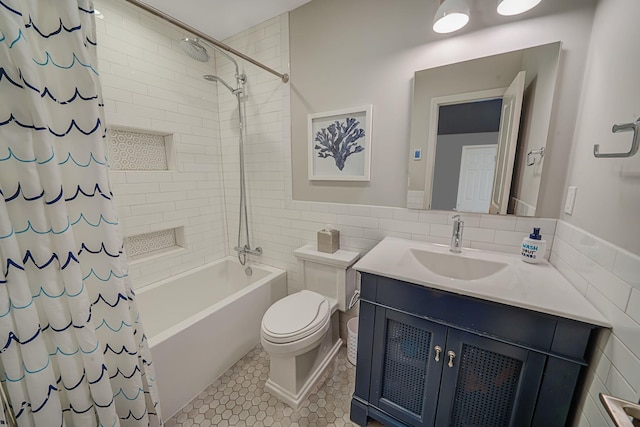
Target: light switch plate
(570, 201)
(417, 154)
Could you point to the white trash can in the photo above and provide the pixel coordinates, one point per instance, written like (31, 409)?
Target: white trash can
(352, 340)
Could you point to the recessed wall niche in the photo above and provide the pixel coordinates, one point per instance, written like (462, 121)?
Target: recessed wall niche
(150, 245)
(140, 150)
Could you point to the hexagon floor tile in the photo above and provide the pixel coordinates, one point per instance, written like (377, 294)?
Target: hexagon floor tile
(238, 398)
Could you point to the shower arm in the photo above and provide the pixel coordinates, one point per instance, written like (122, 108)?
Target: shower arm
(240, 77)
(208, 39)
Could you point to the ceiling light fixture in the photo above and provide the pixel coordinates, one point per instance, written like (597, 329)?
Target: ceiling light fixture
(451, 16)
(515, 7)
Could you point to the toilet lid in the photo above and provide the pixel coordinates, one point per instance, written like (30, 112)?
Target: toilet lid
(295, 317)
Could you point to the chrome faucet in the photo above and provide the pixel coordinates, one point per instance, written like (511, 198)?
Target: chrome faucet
(456, 236)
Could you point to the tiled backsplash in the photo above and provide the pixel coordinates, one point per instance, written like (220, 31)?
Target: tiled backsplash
(609, 277)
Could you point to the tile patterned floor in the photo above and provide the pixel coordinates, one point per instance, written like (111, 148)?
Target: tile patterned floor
(238, 398)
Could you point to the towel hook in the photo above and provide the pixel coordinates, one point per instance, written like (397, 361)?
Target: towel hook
(635, 127)
(531, 161)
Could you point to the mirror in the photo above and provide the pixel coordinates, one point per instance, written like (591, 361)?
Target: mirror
(479, 130)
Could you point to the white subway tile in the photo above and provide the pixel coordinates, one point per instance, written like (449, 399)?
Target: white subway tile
(433, 217)
(357, 221)
(440, 230)
(382, 212)
(564, 231)
(359, 210)
(511, 238)
(625, 362)
(112, 94)
(470, 219)
(485, 235)
(406, 215)
(497, 222)
(610, 285)
(600, 364)
(596, 249)
(569, 273)
(619, 387)
(133, 110)
(594, 414)
(152, 208)
(627, 267)
(401, 226)
(624, 327)
(633, 308)
(547, 226)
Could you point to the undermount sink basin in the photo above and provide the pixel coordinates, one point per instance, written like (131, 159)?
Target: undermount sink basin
(433, 264)
(456, 266)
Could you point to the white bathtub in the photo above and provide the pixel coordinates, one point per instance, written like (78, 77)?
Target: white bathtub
(201, 322)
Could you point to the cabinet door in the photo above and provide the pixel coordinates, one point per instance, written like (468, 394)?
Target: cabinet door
(405, 373)
(487, 383)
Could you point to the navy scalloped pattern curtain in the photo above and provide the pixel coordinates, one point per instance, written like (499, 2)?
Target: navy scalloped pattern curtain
(72, 348)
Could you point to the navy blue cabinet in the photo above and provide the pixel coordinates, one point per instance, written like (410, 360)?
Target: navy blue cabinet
(406, 371)
(433, 358)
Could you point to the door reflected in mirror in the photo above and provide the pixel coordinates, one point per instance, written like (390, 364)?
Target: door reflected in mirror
(467, 150)
(474, 123)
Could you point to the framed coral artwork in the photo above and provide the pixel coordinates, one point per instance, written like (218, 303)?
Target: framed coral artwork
(340, 145)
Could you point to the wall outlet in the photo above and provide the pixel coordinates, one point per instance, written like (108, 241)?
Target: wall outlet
(570, 201)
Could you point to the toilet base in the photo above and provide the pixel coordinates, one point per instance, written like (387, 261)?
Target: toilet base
(293, 398)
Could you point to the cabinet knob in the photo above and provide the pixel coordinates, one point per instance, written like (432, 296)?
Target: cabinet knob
(438, 350)
(452, 356)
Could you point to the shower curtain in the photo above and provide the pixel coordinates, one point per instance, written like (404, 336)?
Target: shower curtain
(72, 349)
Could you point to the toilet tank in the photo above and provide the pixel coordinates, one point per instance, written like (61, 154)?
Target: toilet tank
(330, 275)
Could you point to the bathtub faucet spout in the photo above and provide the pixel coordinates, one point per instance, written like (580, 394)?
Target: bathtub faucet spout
(246, 250)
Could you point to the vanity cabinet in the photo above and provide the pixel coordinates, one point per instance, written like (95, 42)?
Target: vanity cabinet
(433, 358)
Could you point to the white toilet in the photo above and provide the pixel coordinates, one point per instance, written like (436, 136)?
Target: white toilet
(301, 331)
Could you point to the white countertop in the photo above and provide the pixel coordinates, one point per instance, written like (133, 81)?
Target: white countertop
(538, 287)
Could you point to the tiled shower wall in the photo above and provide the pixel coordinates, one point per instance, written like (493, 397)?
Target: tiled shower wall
(149, 84)
(609, 277)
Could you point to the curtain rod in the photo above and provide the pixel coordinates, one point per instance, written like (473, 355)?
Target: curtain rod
(200, 34)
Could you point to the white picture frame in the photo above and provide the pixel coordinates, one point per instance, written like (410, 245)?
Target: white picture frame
(329, 158)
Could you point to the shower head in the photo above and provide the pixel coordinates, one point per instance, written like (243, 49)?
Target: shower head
(212, 78)
(194, 49)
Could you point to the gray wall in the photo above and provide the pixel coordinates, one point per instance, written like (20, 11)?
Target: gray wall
(608, 198)
(446, 173)
(348, 53)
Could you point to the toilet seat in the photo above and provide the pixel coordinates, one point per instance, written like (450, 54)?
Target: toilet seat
(295, 317)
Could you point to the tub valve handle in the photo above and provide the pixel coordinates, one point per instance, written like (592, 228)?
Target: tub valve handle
(246, 250)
